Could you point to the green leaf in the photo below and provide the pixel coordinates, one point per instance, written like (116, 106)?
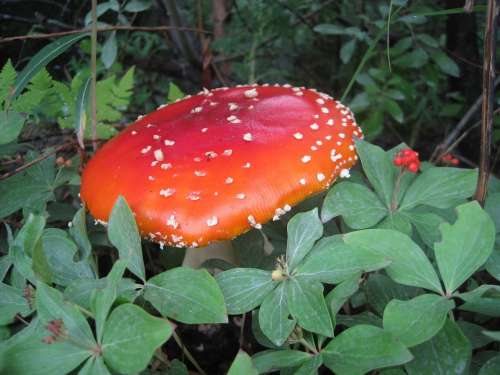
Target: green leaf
(447, 353)
(30, 234)
(414, 59)
(12, 302)
(427, 225)
(377, 165)
(40, 87)
(137, 5)
(109, 50)
(78, 230)
(26, 353)
(341, 293)
(187, 295)
(104, 298)
(7, 79)
(60, 252)
(492, 367)
(347, 50)
(495, 335)
(50, 305)
(130, 338)
(11, 124)
(359, 206)
(363, 348)
(124, 235)
(465, 245)
(474, 333)
(310, 366)
(174, 93)
(446, 64)
(409, 265)
(365, 317)
(393, 108)
(242, 365)
(273, 316)
(82, 102)
(270, 360)
(379, 290)
(304, 230)
(307, 305)
(440, 187)
(417, 320)
(94, 366)
(244, 288)
(42, 58)
(493, 264)
(492, 207)
(332, 261)
(484, 300)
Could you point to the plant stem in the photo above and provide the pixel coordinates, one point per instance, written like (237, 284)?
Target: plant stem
(308, 346)
(395, 193)
(93, 69)
(187, 353)
(489, 100)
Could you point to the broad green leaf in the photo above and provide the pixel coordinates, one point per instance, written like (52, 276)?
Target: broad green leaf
(341, 293)
(26, 353)
(474, 333)
(104, 299)
(393, 108)
(396, 221)
(359, 206)
(446, 64)
(242, 365)
(258, 334)
(130, 338)
(174, 93)
(270, 360)
(30, 233)
(447, 353)
(307, 305)
(377, 165)
(492, 367)
(440, 187)
(109, 50)
(427, 225)
(310, 366)
(365, 317)
(414, 59)
(244, 288)
(124, 235)
(42, 58)
(78, 231)
(60, 252)
(11, 124)
(12, 302)
(5, 264)
(187, 295)
(274, 316)
(94, 366)
(409, 265)
(379, 290)
(484, 300)
(417, 320)
(82, 102)
(332, 261)
(465, 245)
(7, 79)
(102, 8)
(363, 348)
(138, 5)
(347, 50)
(492, 207)
(303, 230)
(495, 335)
(23, 264)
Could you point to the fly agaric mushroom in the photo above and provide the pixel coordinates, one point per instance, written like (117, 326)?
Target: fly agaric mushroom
(212, 166)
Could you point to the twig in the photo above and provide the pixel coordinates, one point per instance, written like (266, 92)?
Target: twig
(101, 29)
(242, 330)
(93, 70)
(35, 161)
(489, 100)
(187, 353)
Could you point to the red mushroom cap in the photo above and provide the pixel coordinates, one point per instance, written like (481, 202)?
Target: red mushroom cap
(211, 166)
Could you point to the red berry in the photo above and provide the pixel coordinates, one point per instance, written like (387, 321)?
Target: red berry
(413, 167)
(398, 161)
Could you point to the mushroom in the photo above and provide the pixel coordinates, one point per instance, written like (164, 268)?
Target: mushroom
(214, 165)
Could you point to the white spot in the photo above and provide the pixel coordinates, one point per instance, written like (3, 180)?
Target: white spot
(197, 110)
(306, 159)
(316, 116)
(162, 106)
(302, 181)
(319, 143)
(339, 143)
(252, 93)
(233, 119)
(251, 220)
(146, 149)
(200, 173)
(328, 137)
(330, 122)
(314, 126)
(299, 93)
(167, 192)
(298, 136)
(314, 148)
(334, 156)
(246, 165)
(325, 110)
(320, 177)
(151, 178)
(229, 180)
(156, 137)
(344, 173)
(320, 101)
(140, 117)
(134, 132)
(248, 137)
(194, 196)
(197, 159)
(154, 163)
(171, 222)
(211, 154)
(166, 166)
(287, 207)
(212, 221)
(227, 152)
(342, 135)
(233, 106)
(240, 196)
(168, 142)
(158, 155)
(204, 130)
(148, 125)
(351, 147)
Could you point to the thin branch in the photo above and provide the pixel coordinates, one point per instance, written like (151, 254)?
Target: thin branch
(489, 100)
(102, 29)
(93, 71)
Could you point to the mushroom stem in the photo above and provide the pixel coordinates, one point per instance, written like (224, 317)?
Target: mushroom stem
(195, 257)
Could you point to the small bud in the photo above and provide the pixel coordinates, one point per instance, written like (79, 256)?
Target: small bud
(277, 275)
(60, 161)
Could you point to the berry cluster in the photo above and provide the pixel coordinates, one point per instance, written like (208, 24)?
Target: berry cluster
(56, 328)
(408, 160)
(449, 159)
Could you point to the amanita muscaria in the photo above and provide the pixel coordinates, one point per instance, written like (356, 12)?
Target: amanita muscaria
(212, 166)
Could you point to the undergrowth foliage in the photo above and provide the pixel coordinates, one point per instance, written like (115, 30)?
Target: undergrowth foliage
(394, 270)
